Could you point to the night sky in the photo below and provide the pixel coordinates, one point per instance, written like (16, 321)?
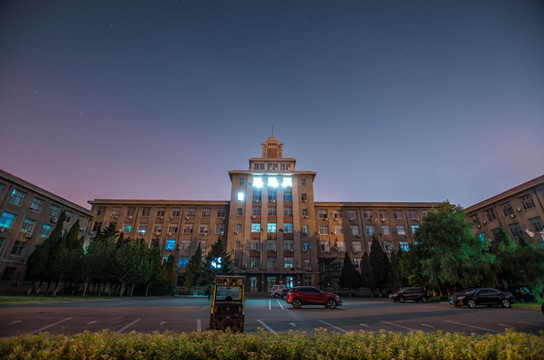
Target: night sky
(385, 100)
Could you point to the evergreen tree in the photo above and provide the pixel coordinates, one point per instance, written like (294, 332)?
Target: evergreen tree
(218, 262)
(349, 277)
(194, 271)
(329, 271)
(366, 272)
(380, 265)
(395, 279)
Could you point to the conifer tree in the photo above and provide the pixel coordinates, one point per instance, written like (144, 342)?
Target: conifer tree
(349, 277)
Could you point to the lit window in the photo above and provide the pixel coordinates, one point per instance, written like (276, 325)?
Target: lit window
(306, 246)
(271, 227)
(287, 182)
(170, 244)
(17, 197)
(142, 227)
(369, 229)
(127, 227)
(46, 229)
(255, 227)
(36, 204)
(28, 225)
(403, 245)
(241, 196)
(273, 181)
(414, 228)
(400, 230)
(288, 262)
(183, 261)
(258, 182)
(6, 219)
(305, 229)
(288, 228)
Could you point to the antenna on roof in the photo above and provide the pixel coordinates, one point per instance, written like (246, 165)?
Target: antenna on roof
(272, 131)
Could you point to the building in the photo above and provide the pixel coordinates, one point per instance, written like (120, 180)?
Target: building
(519, 211)
(274, 229)
(28, 214)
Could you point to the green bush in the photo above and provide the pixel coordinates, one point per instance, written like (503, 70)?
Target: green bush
(265, 345)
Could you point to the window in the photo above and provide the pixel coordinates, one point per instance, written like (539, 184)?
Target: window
(476, 219)
(161, 212)
(7, 219)
(146, 211)
(481, 236)
(515, 229)
(188, 229)
(255, 245)
(352, 215)
(191, 212)
(241, 181)
(338, 229)
(272, 211)
(490, 213)
(205, 213)
(400, 230)
(527, 201)
(322, 214)
(354, 229)
(385, 230)
(397, 214)
(170, 244)
(28, 224)
(221, 213)
(236, 263)
(536, 224)
(69, 215)
(255, 227)
(305, 213)
(259, 166)
(288, 262)
(507, 209)
(253, 262)
(173, 228)
(257, 195)
(238, 228)
(271, 244)
(288, 228)
(186, 245)
(131, 211)
(18, 248)
(97, 226)
(53, 210)
(341, 246)
(238, 245)
(414, 228)
(305, 229)
(369, 230)
(271, 262)
(288, 211)
(302, 182)
(241, 196)
(36, 204)
(388, 246)
(175, 212)
(403, 245)
(367, 214)
(356, 245)
(17, 197)
(142, 228)
(306, 246)
(183, 261)
(46, 230)
(382, 214)
(204, 229)
(127, 227)
(412, 214)
(323, 229)
(272, 195)
(219, 228)
(271, 228)
(239, 211)
(157, 228)
(288, 245)
(325, 246)
(287, 194)
(304, 197)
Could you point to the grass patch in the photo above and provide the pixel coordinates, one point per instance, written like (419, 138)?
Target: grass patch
(264, 345)
(39, 299)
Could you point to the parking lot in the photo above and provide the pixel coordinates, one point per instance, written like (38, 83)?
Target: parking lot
(191, 314)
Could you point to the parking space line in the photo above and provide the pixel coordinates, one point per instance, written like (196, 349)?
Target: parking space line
(331, 325)
(292, 324)
(365, 325)
(429, 326)
(267, 327)
(14, 322)
(472, 326)
(280, 304)
(400, 326)
(92, 322)
(127, 326)
(198, 325)
(269, 304)
(508, 326)
(49, 326)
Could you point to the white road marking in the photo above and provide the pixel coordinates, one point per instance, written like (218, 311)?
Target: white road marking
(127, 326)
(331, 325)
(49, 326)
(365, 325)
(471, 326)
(198, 325)
(267, 327)
(269, 304)
(92, 322)
(163, 322)
(400, 326)
(528, 323)
(292, 324)
(279, 303)
(14, 322)
(429, 326)
(508, 326)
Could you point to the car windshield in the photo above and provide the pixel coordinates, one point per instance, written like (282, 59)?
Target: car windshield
(227, 293)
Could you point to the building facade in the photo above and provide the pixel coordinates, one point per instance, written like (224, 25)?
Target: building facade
(28, 214)
(519, 210)
(274, 229)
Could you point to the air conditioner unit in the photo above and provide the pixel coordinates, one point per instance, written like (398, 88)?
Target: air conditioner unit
(479, 226)
(306, 216)
(351, 219)
(161, 217)
(171, 218)
(333, 233)
(291, 250)
(304, 201)
(304, 250)
(169, 234)
(28, 235)
(115, 216)
(512, 216)
(257, 250)
(417, 220)
(244, 266)
(519, 209)
(335, 248)
(308, 269)
(2, 229)
(253, 216)
(83, 228)
(130, 217)
(257, 201)
(274, 250)
(382, 219)
(54, 220)
(272, 201)
(335, 219)
(281, 230)
(187, 218)
(156, 233)
(485, 221)
(236, 233)
(358, 235)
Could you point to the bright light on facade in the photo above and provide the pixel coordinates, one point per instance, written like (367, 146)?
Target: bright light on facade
(258, 182)
(241, 196)
(273, 181)
(287, 182)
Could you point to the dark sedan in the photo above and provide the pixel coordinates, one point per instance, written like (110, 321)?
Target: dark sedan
(483, 296)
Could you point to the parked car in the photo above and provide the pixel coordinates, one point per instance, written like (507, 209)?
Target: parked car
(285, 292)
(411, 293)
(310, 295)
(522, 294)
(483, 296)
(275, 290)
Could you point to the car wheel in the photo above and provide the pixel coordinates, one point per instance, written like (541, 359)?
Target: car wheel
(457, 304)
(423, 299)
(297, 304)
(471, 303)
(331, 304)
(505, 303)
(276, 295)
(402, 299)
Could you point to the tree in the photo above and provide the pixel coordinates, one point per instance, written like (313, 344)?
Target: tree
(194, 270)
(349, 277)
(366, 272)
(218, 262)
(329, 271)
(379, 263)
(395, 279)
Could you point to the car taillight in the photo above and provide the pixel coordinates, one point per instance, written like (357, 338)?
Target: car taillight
(240, 309)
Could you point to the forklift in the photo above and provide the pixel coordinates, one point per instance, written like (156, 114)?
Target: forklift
(228, 303)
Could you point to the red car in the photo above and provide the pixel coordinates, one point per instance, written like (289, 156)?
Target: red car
(310, 295)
